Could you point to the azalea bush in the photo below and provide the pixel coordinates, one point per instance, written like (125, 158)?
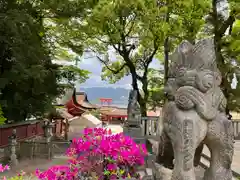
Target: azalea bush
(99, 154)
(19, 176)
(3, 168)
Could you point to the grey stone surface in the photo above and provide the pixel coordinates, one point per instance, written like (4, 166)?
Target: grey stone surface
(132, 127)
(162, 173)
(48, 130)
(195, 112)
(13, 144)
(132, 131)
(133, 110)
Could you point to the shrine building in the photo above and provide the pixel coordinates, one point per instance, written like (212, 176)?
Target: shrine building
(78, 104)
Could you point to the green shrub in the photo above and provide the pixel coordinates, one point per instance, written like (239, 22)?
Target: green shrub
(2, 118)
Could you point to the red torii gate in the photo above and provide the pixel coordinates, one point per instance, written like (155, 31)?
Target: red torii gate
(106, 100)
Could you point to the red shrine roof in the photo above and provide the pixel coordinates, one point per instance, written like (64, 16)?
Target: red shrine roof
(81, 99)
(105, 99)
(79, 103)
(113, 111)
(153, 113)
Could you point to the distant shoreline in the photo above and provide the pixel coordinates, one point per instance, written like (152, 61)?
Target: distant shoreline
(117, 105)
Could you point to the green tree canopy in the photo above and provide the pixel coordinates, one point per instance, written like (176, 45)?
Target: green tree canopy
(138, 32)
(225, 31)
(135, 31)
(29, 80)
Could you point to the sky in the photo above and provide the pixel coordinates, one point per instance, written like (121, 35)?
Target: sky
(95, 67)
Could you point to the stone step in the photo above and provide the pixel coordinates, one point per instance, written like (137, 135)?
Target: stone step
(145, 176)
(149, 171)
(142, 174)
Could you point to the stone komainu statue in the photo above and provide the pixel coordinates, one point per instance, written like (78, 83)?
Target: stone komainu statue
(195, 114)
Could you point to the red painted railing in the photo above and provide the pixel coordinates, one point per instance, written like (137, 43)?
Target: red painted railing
(27, 130)
(58, 129)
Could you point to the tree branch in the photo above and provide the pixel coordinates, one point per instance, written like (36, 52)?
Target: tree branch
(147, 62)
(140, 78)
(131, 27)
(101, 40)
(117, 46)
(150, 57)
(226, 24)
(132, 47)
(114, 71)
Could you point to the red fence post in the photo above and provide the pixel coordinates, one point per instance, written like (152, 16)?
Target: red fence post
(56, 125)
(1, 136)
(36, 131)
(61, 126)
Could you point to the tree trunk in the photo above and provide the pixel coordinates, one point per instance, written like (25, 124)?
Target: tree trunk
(142, 103)
(166, 60)
(146, 95)
(166, 46)
(166, 52)
(225, 86)
(143, 107)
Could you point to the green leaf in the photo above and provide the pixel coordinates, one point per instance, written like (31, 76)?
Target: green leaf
(106, 172)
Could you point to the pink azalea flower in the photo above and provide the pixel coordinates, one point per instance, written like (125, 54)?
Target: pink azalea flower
(111, 167)
(98, 150)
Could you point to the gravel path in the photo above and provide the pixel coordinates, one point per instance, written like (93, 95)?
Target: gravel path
(29, 166)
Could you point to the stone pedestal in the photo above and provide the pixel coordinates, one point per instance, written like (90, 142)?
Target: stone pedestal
(135, 133)
(12, 145)
(132, 127)
(66, 130)
(132, 131)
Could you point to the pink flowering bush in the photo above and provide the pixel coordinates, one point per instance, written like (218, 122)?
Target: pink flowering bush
(4, 168)
(19, 176)
(101, 155)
